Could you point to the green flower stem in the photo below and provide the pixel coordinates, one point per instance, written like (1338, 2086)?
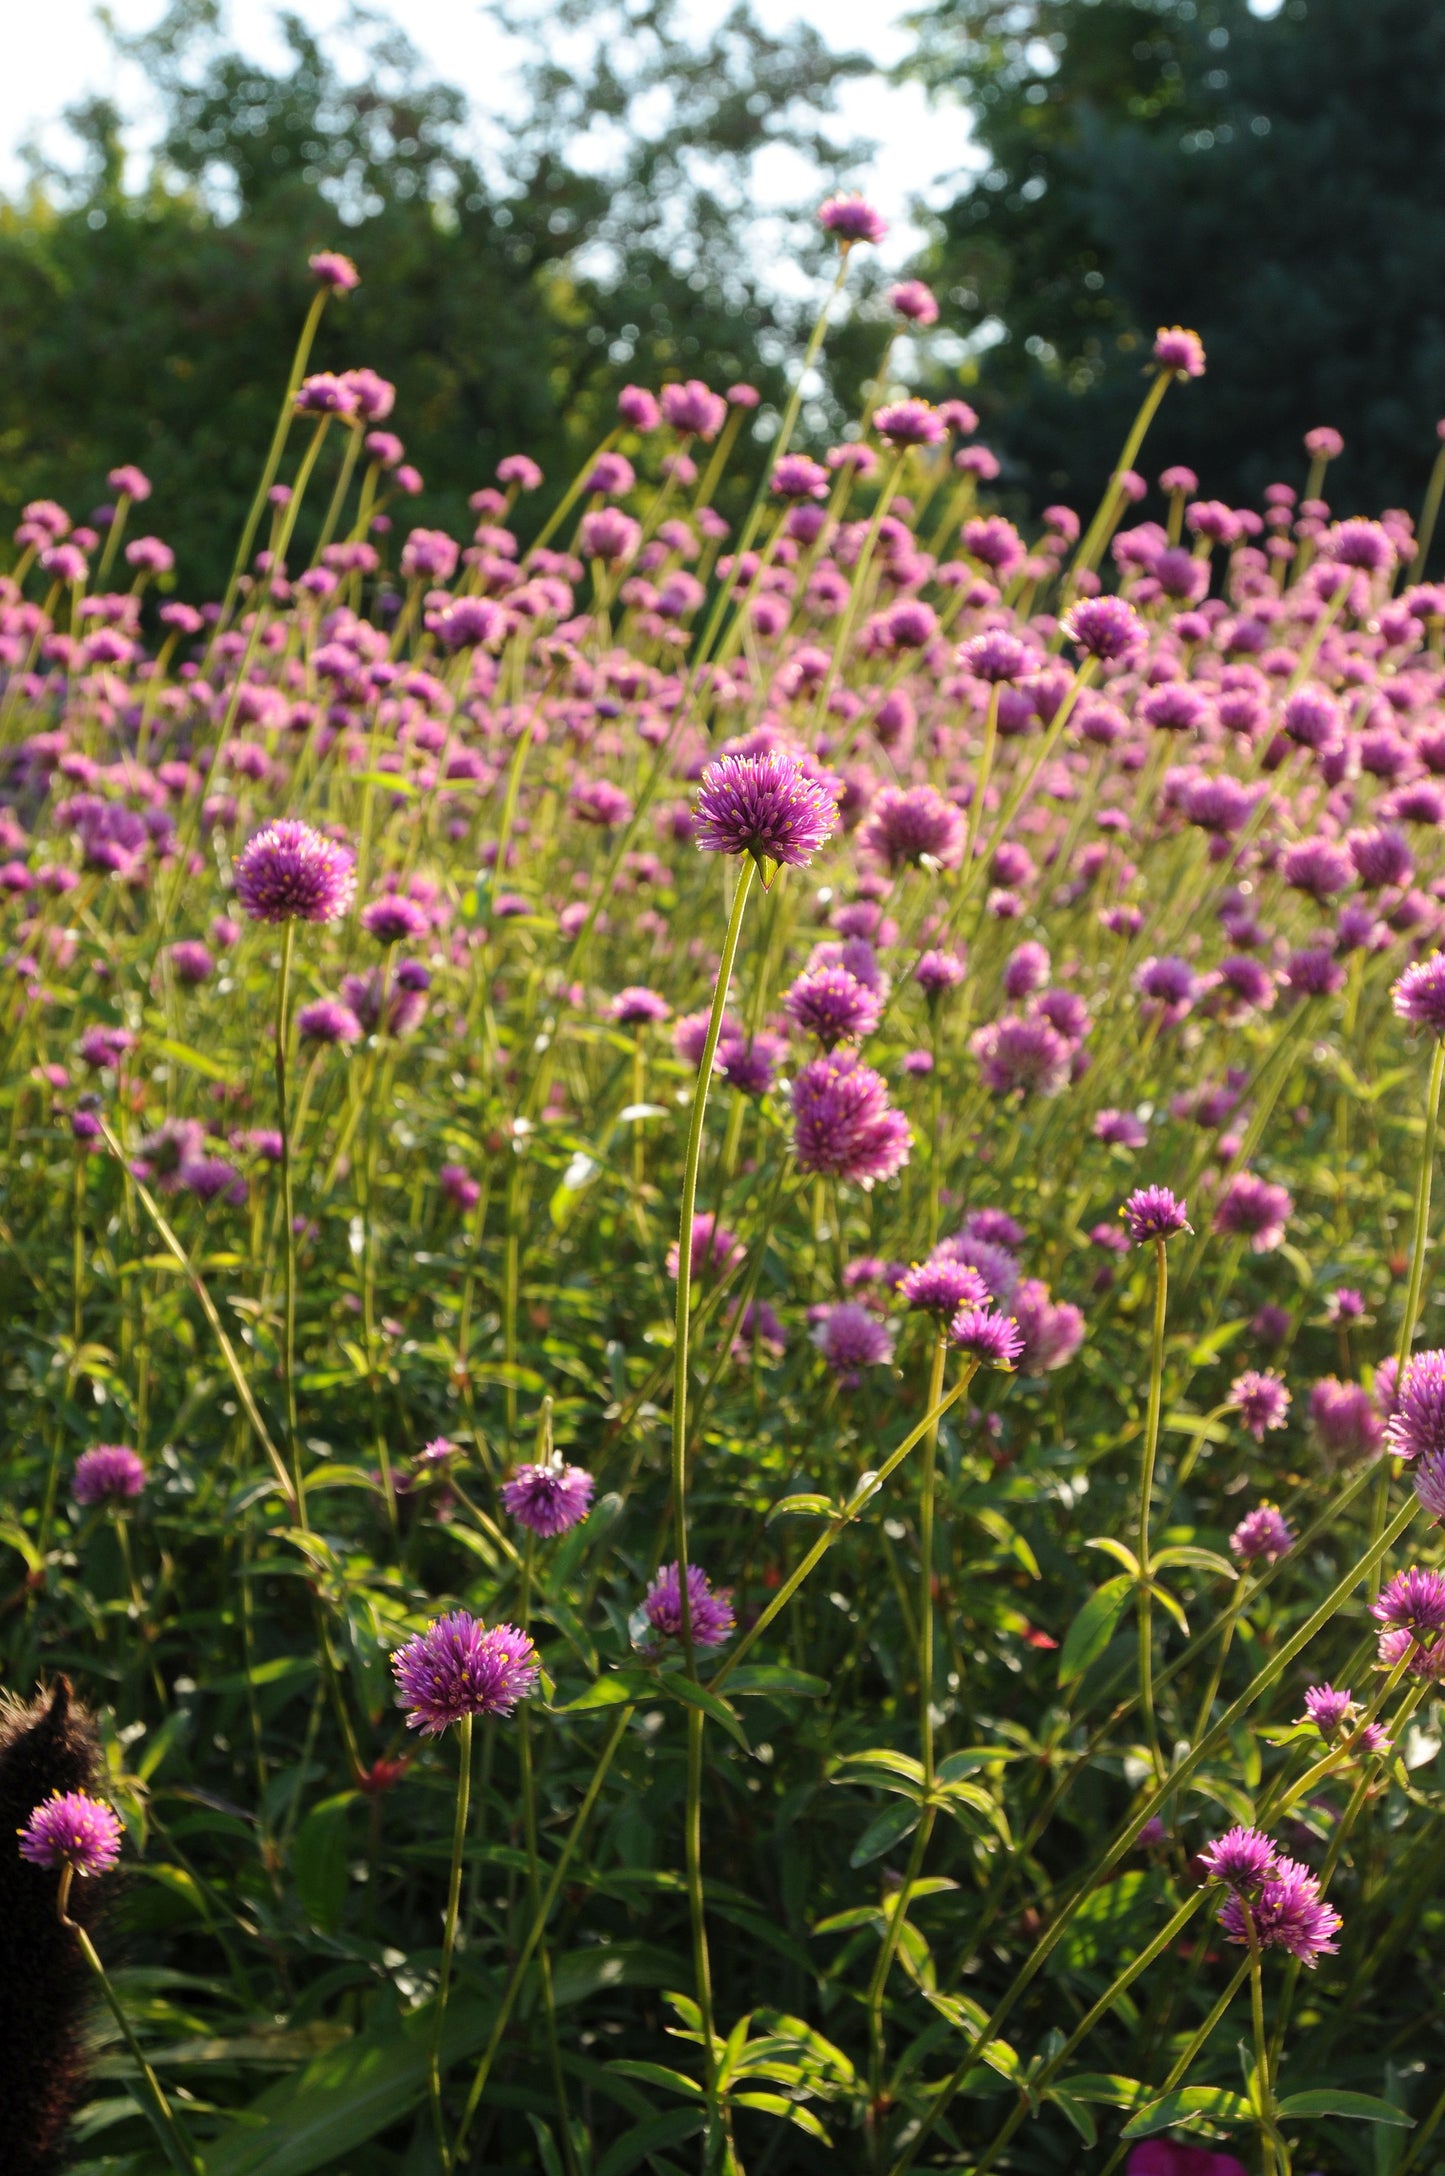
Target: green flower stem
(449, 1936)
(1127, 1834)
(1146, 1493)
(1264, 2091)
(279, 436)
(338, 496)
(524, 1956)
(288, 1222)
(868, 1486)
(855, 594)
(1429, 515)
(1092, 543)
(178, 2149)
(529, 1813)
(1420, 1236)
(112, 541)
(1180, 2067)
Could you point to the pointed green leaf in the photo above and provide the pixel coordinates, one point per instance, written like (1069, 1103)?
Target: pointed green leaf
(1330, 2101)
(1093, 1628)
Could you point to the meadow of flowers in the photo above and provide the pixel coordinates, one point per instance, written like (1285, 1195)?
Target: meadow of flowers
(721, 1424)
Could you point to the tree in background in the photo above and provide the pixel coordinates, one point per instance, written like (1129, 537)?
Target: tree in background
(508, 297)
(1277, 183)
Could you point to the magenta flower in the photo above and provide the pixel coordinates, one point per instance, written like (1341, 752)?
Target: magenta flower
(330, 269)
(710, 1613)
(1251, 1208)
(1104, 627)
(327, 1020)
(1152, 1212)
(457, 1667)
(637, 1007)
(112, 1473)
(764, 805)
(942, 1286)
(909, 825)
(998, 658)
(714, 1247)
(832, 1005)
(1327, 1709)
(938, 971)
(1261, 1400)
(290, 873)
(693, 409)
(1344, 1419)
(1417, 1424)
(1262, 1536)
(1179, 351)
(850, 1338)
(72, 1829)
(548, 1499)
(910, 423)
(1419, 995)
(1171, 2157)
(851, 219)
(192, 962)
(914, 301)
(1023, 1054)
(1287, 1914)
(993, 1339)
(1052, 1330)
(1243, 1857)
(843, 1124)
(393, 919)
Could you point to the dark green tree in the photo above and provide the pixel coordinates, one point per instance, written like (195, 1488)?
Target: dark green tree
(507, 296)
(1276, 182)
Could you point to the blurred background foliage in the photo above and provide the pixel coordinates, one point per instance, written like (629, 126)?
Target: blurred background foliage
(1279, 183)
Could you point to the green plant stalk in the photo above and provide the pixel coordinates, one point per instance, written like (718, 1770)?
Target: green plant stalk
(1146, 1494)
(279, 436)
(288, 1225)
(178, 2149)
(112, 540)
(1429, 516)
(529, 1822)
(449, 1936)
(524, 1956)
(1086, 558)
(1264, 2091)
(1180, 2067)
(1127, 1834)
(338, 496)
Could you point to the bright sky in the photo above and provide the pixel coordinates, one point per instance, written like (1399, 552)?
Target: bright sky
(58, 53)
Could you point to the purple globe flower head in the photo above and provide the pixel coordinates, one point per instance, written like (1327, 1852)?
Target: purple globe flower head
(758, 1334)
(324, 394)
(1327, 1709)
(612, 474)
(910, 825)
(1344, 1304)
(1324, 443)
(608, 535)
(290, 873)
(73, 1830)
(764, 805)
(943, 1286)
(998, 658)
(112, 1473)
(1023, 1054)
(166, 1151)
(797, 476)
(458, 1186)
(458, 1667)
(1251, 1208)
(1179, 351)
(914, 302)
(1104, 627)
(852, 219)
(832, 1005)
(1026, 970)
(638, 409)
(394, 919)
(1318, 867)
(1381, 857)
(329, 268)
(1153, 1212)
(1416, 1426)
(327, 1020)
(437, 1455)
(1366, 545)
(1314, 972)
(988, 538)
(851, 1338)
(843, 1124)
(1413, 1601)
(598, 801)
(750, 1063)
(102, 1048)
(1261, 1400)
(1052, 1330)
(211, 1178)
(938, 971)
(710, 1612)
(548, 1499)
(714, 1248)
(910, 423)
(1344, 1420)
(1428, 1478)
(192, 962)
(694, 409)
(131, 482)
(993, 1339)
(1262, 1536)
(1120, 1129)
(637, 1007)
(995, 1227)
(1288, 1914)
(1242, 1857)
(1419, 995)
(995, 1262)
(521, 470)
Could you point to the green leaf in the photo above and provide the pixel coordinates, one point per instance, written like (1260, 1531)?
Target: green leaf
(320, 1864)
(1117, 1551)
(671, 2081)
(1330, 2101)
(774, 1679)
(614, 1690)
(1077, 2113)
(1106, 2086)
(1203, 1560)
(889, 1828)
(711, 1704)
(1093, 1628)
(1192, 2104)
(803, 1507)
(882, 1756)
(644, 2139)
(196, 1060)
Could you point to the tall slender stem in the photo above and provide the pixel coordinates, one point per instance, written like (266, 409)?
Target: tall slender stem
(273, 458)
(1096, 535)
(1146, 1492)
(449, 1936)
(178, 2148)
(288, 1223)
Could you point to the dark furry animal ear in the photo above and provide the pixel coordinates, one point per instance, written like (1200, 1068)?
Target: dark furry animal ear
(45, 1988)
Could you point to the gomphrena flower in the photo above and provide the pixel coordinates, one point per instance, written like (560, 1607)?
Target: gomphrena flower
(1253, 1209)
(1262, 1536)
(1243, 1857)
(984, 1334)
(72, 1829)
(1410, 1610)
(942, 1286)
(1261, 1400)
(852, 219)
(710, 1612)
(764, 805)
(1416, 1427)
(832, 1005)
(1287, 1914)
(458, 1667)
(1153, 1212)
(1419, 995)
(1179, 351)
(394, 919)
(290, 873)
(1327, 1709)
(851, 1338)
(909, 825)
(1104, 627)
(843, 1124)
(910, 423)
(112, 1473)
(329, 268)
(714, 1247)
(548, 1499)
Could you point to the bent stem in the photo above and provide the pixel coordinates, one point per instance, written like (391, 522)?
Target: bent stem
(178, 2149)
(449, 1936)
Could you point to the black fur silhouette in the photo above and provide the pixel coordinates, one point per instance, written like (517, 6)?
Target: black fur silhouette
(46, 1991)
